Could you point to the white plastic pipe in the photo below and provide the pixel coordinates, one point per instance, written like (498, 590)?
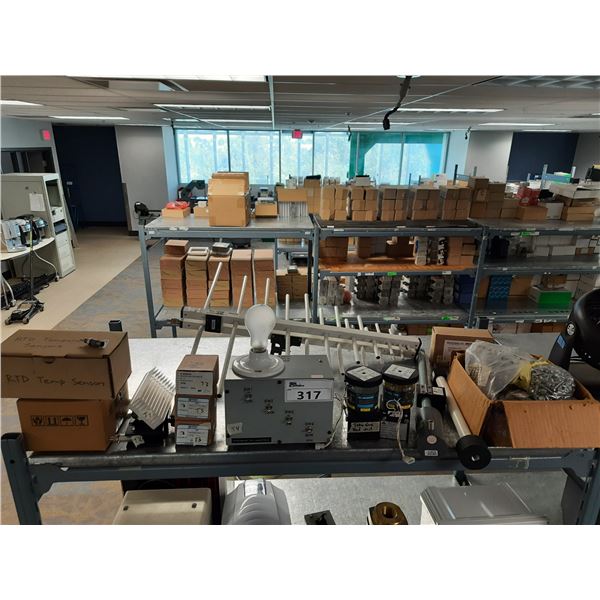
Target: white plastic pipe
(307, 319)
(325, 337)
(231, 339)
(455, 413)
(287, 331)
(363, 352)
(206, 304)
(354, 343)
(267, 289)
(390, 349)
(340, 354)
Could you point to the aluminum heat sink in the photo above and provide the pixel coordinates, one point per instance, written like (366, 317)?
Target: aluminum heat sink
(153, 401)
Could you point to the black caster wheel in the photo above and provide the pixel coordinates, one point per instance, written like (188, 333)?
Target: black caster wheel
(25, 320)
(41, 309)
(13, 302)
(7, 322)
(56, 278)
(473, 452)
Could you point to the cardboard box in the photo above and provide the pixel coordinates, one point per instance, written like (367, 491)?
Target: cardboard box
(202, 408)
(228, 184)
(197, 375)
(520, 285)
(229, 211)
(76, 425)
(172, 267)
(291, 194)
(265, 209)
(446, 341)
(57, 364)
(478, 183)
(527, 423)
(201, 211)
(573, 213)
(387, 215)
(508, 213)
(213, 265)
(340, 215)
(176, 213)
(264, 259)
(176, 247)
(477, 210)
(496, 187)
(531, 213)
(358, 204)
(190, 432)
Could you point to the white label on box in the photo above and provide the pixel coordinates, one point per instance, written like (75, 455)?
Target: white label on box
(192, 408)
(194, 382)
(234, 428)
(364, 427)
(308, 390)
(451, 346)
(400, 371)
(192, 435)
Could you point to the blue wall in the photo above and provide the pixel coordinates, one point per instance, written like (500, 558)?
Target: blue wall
(531, 151)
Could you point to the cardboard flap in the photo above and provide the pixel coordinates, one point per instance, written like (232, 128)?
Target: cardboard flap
(461, 385)
(63, 344)
(570, 423)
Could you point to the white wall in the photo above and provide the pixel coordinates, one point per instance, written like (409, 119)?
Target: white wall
(489, 152)
(456, 153)
(25, 133)
(143, 167)
(587, 153)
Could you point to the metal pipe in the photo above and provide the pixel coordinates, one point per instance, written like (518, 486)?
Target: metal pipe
(231, 339)
(213, 285)
(287, 331)
(307, 319)
(267, 289)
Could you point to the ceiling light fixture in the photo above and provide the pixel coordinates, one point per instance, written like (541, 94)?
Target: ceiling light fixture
(245, 78)
(215, 106)
(516, 124)
(180, 120)
(550, 130)
(88, 118)
(237, 120)
(452, 110)
(18, 103)
(372, 123)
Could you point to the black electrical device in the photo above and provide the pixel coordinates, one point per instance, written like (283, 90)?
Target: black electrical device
(362, 402)
(581, 334)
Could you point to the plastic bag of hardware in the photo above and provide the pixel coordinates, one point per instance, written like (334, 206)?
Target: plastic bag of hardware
(550, 382)
(493, 366)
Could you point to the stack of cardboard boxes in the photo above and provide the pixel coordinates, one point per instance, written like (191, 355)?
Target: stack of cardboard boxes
(312, 189)
(342, 195)
(461, 251)
(241, 265)
(327, 205)
(425, 203)
(334, 249)
(172, 273)
(294, 283)
(195, 400)
(196, 277)
(580, 208)
(456, 202)
(229, 200)
(487, 198)
(264, 268)
(70, 394)
(221, 296)
(363, 203)
(394, 203)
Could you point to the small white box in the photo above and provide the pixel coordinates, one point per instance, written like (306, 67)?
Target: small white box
(562, 250)
(541, 251)
(582, 242)
(554, 210)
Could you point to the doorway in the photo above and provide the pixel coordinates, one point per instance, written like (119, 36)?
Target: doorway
(91, 175)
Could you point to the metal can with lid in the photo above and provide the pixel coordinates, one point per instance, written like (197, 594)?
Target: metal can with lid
(362, 400)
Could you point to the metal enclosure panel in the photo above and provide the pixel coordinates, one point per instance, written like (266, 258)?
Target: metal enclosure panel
(256, 410)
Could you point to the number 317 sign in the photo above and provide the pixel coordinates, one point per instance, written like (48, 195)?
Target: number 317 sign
(308, 390)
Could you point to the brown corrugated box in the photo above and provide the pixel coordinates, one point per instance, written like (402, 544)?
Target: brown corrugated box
(527, 423)
(291, 194)
(445, 341)
(176, 247)
(578, 213)
(176, 213)
(478, 183)
(228, 184)
(198, 375)
(57, 364)
(229, 211)
(265, 209)
(50, 425)
(531, 213)
(190, 432)
(172, 267)
(213, 265)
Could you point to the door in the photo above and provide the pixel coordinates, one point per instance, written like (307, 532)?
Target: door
(91, 176)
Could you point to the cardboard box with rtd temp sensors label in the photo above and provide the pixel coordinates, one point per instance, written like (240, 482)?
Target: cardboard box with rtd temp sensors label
(197, 375)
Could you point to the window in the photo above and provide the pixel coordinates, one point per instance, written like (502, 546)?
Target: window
(332, 155)
(201, 153)
(256, 152)
(379, 156)
(422, 156)
(296, 155)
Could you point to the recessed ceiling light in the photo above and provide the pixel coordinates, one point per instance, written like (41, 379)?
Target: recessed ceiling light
(90, 118)
(158, 110)
(181, 120)
(215, 106)
(452, 110)
(18, 103)
(246, 78)
(517, 124)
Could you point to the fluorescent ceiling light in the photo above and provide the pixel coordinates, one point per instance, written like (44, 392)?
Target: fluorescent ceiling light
(247, 78)
(550, 130)
(215, 106)
(372, 123)
(18, 103)
(452, 110)
(238, 120)
(517, 124)
(86, 118)
(595, 114)
(181, 120)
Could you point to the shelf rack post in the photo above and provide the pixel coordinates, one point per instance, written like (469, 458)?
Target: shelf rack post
(483, 242)
(147, 279)
(314, 295)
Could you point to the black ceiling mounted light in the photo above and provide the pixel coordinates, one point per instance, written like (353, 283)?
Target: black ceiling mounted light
(467, 132)
(403, 91)
(349, 133)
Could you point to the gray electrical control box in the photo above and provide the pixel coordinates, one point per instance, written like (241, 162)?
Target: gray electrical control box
(293, 407)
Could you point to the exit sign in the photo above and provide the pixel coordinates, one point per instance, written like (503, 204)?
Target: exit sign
(297, 134)
(46, 136)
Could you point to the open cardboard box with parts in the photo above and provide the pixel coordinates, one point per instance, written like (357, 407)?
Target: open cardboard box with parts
(526, 423)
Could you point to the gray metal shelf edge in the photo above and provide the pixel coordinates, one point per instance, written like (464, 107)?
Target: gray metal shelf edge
(558, 264)
(510, 227)
(328, 228)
